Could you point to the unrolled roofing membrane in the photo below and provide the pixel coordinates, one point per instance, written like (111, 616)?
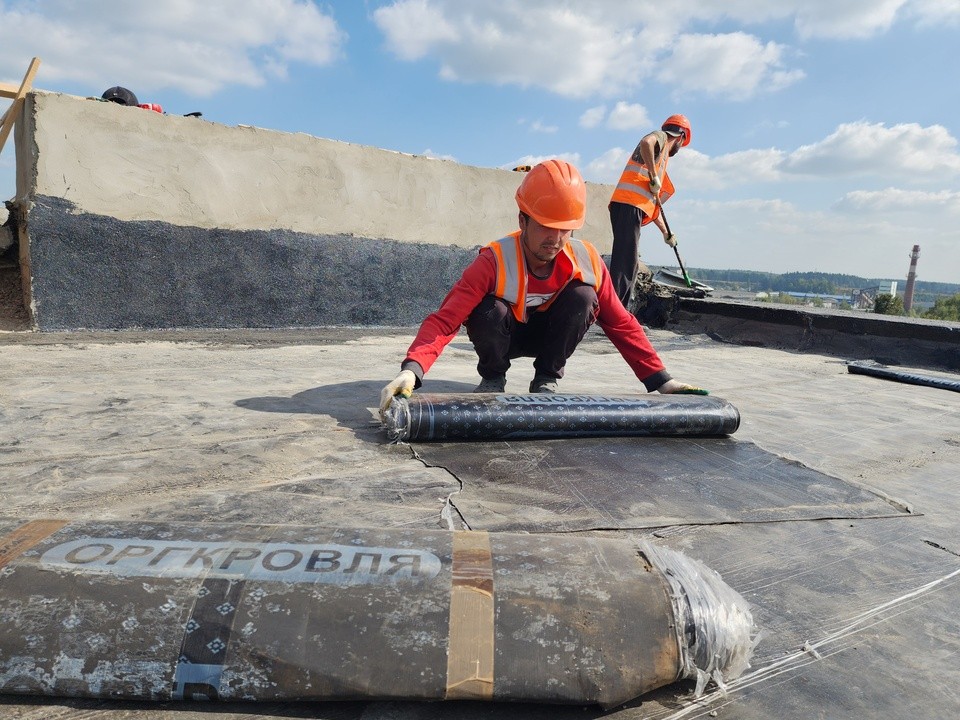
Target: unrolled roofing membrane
(577, 484)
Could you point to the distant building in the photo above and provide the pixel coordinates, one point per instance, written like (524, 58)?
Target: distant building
(826, 299)
(865, 297)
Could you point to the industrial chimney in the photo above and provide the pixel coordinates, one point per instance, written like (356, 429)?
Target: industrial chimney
(911, 278)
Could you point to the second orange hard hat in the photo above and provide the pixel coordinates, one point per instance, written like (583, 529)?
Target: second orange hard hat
(679, 123)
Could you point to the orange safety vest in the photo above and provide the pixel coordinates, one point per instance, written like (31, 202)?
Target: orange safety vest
(586, 266)
(633, 188)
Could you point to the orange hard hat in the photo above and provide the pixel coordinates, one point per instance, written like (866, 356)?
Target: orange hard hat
(554, 194)
(677, 124)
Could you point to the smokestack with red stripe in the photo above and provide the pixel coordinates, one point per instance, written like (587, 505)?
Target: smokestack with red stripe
(911, 279)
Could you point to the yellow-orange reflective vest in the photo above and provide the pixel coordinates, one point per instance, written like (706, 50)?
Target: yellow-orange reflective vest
(586, 265)
(633, 188)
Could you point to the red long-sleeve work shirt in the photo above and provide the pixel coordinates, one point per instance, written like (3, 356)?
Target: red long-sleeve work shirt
(478, 281)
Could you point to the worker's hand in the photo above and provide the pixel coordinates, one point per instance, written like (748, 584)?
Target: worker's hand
(670, 239)
(675, 387)
(402, 384)
(655, 185)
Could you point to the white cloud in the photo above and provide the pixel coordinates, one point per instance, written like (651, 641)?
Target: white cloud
(539, 127)
(898, 200)
(597, 49)
(564, 47)
(570, 48)
(593, 116)
(778, 236)
(414, 27)
(593, 49)
(607, 167)
(846, 20)
(628, 116)
(696, 170)
(935, 12)
(907, 152)
(195, 47)
(735, 65)
(850, 19)
(623, 116)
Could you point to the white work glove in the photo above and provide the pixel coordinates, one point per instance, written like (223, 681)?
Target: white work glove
(655, 185)
(670, 239)
(402, 384)
(674, 387)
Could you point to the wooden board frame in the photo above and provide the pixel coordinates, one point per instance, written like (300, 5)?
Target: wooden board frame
(17, 94)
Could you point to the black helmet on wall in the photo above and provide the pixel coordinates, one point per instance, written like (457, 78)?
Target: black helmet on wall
(121, 96)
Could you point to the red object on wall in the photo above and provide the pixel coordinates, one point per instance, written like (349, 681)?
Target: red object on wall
(151, 106)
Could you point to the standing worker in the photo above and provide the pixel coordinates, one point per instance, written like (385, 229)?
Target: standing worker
(534, 293)
(643, 185)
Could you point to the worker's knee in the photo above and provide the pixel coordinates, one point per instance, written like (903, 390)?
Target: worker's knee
(578, 302)
(492, 315)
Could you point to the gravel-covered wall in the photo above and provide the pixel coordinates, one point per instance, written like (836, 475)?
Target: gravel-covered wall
(136, 219)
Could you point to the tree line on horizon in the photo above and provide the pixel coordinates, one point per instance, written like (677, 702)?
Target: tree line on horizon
(944, 297)
(813, 282)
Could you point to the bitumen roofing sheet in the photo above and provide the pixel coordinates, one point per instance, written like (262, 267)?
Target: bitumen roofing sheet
(833, 509)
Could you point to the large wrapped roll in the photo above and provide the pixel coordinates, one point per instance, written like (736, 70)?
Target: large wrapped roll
(502, 416)
(163, 611)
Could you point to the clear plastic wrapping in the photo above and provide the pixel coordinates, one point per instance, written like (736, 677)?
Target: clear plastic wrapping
(714, 625)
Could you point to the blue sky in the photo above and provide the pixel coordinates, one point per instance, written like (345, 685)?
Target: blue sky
(824, 132)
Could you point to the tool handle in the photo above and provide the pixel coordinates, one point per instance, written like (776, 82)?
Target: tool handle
(664, 216)
(682, 268)
(676, 252)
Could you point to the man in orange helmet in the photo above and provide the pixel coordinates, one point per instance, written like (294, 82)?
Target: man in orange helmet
(643, 186)
(534, 293)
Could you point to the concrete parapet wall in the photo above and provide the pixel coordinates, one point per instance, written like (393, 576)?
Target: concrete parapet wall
(887, 339)
(135, 219)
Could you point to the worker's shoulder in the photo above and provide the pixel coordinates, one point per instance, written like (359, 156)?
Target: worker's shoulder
(485, 262)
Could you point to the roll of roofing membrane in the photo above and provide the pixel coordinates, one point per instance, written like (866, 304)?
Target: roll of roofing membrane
(166, 611)
(492, 416)
(875, 369)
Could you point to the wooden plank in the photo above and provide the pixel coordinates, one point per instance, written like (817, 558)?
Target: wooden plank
(14, 110)
(9, 91)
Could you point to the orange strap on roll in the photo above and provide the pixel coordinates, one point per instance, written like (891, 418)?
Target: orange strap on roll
(470, 650)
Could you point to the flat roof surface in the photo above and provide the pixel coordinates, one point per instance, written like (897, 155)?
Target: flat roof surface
(861, 568)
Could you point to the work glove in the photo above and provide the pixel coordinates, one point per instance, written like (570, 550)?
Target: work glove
(655, 185)
(675, 387)
(670, 239)
(691, 390)
(402, 385)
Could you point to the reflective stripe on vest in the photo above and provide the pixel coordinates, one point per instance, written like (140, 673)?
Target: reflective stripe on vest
(633, 188)
(511, 284)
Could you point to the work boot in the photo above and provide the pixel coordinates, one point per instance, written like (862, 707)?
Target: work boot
(543, 384)
(495, 384)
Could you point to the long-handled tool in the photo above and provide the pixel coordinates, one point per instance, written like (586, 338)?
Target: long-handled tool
(676, 252)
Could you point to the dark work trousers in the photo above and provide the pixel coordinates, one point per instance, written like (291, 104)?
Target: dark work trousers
(550, 337)
(624, 258)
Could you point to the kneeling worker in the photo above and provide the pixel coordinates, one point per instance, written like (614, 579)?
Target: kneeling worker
(534, 294)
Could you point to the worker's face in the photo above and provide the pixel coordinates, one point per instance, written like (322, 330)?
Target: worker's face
(541, 242)
(677, 144)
